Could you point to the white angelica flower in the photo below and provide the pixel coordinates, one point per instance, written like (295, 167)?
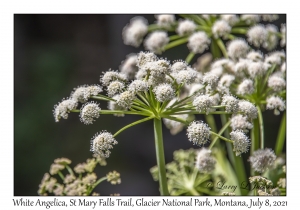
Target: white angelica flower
(165, 21)
(262, 159)
(257, 35)
(221, 28)
(89, 112)
(241, 67)
(125, 99)
(110, 76)
(272, 39)
(134, 32)
(112, 105)
(246, 87)
(255, 56)
(194, 88)
(156, 41)
(257, 69)
(198, 132)
(277, 83)
(276, 103)
(92, 90)
(164, 92)
(215, 99)
(138, 86)
(83, 93)
(211, 79)
(198, 42)
(217, 71)
(101, 144)
(79, 94)
(128, 66)
(158, 68)
(157, 80)
(225, 82)
(179, 66)
(205, 163)
(241, 142)
(63, 108)
(248, 109)
(237, 48)
(225, 64)
(240, 122)
(114, 88)
(231, 19)
(276, 57)
(231, 103)
(145, 57)
(185, 27)
(186, 76)
(203, 103)
(250, 19)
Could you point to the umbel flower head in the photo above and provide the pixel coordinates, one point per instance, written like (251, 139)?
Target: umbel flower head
(63, 108)
(198, 42)
(198, 132)
(203, 103)
(241, 142)
(204, 161)
(83, 93)
(101, 143)
(134, 32)
(276, 103)
(156, 41)
(164, 92)
(89, 112)
(185, 27)
(262, 159)
(231, 103)
(237, 49)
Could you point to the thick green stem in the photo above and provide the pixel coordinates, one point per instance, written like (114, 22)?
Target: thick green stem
(261, 127)
(160, 157)
(281, 135)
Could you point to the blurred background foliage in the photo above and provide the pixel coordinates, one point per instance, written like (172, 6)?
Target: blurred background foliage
(54, 53)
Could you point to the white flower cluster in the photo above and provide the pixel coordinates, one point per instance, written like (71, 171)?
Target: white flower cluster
(198, 132)
(101, 143)
(262, 159)
(205, 163)
(134, 32)
(265, 36)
